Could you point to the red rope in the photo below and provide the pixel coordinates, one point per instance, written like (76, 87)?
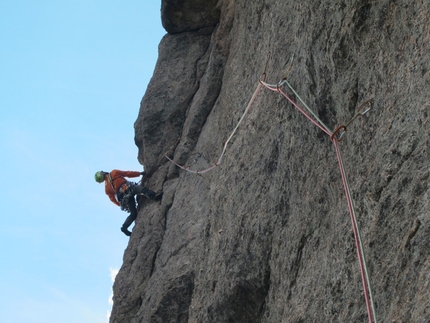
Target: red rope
(335, 137)
(278, 89)
(356, 234)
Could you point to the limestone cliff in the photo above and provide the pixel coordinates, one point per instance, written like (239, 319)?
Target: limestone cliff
(266, 236)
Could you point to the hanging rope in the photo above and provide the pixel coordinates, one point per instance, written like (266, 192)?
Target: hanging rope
(336, 137)
(248, 107)
(277, 88)
(218, 162)
(359, 246)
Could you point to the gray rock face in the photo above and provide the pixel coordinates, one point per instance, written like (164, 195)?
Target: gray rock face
(189, 15)
(266, 236)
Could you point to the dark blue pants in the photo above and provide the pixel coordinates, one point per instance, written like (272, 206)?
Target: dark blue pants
(133, 190)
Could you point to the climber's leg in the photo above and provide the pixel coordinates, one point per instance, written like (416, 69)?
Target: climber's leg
(131, 218)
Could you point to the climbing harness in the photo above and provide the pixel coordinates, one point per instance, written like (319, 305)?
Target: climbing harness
(124, 194)
(336, 136)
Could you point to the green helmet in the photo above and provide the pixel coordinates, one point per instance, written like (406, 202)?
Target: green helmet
(100, 177)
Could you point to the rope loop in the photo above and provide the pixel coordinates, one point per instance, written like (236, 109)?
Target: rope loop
(338, 133)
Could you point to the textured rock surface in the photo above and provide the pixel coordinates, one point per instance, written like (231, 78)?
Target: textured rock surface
(266, 237)
(189, 15)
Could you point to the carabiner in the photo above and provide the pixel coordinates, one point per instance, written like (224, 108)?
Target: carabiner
(359, 113)
(368, 101)
(339, 133)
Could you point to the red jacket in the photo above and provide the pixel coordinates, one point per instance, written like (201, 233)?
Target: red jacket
(117, 177)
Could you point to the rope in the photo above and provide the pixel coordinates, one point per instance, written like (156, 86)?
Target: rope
(318, 123)
(218, 162)
(240, 121)
(306, 106)
(359, 246)
(336, 137)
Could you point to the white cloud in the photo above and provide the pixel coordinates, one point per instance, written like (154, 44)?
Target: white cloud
(113, 273)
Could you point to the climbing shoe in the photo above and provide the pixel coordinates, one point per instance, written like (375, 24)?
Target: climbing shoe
(125, 231)
(158, 196)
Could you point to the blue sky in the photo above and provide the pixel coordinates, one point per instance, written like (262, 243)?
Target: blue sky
(72, 74)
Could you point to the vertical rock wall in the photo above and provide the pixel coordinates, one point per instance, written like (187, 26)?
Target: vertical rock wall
(266, 236)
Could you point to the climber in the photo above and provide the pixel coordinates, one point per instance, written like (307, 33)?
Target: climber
(121, 192)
